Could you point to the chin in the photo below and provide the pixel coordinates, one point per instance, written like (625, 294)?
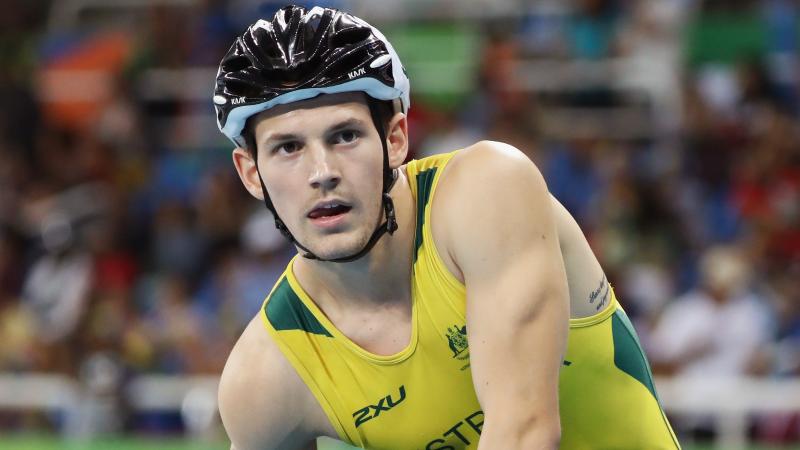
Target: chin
(334, 247)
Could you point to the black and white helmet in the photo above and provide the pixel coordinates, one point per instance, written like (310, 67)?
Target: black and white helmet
(301, 54)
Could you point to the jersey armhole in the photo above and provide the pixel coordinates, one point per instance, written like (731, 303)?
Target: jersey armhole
(612, 306)
(305, 375)
(427, 231)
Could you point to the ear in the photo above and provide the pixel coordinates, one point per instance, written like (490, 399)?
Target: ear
(246, 168)
(397, 137)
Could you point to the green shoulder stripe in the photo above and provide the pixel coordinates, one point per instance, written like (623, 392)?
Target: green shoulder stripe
(285, 311)
(424, 184)
(628, 354)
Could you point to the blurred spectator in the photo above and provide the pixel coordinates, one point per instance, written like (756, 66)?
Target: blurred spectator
(56, 294)
(718, 328)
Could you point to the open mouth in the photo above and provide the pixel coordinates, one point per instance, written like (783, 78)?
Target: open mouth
(328, 211)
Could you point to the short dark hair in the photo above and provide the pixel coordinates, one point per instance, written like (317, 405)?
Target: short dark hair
(385, 112)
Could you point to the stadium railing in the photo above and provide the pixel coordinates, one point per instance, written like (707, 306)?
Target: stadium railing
(729, 402)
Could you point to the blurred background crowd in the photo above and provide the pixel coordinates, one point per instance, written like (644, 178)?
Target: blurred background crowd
(668, 128)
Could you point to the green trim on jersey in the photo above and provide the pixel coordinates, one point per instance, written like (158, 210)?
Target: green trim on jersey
(424, 184)
(286, 311)
(628, 354)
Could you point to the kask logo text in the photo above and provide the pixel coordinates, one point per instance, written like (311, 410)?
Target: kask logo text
(357, 73)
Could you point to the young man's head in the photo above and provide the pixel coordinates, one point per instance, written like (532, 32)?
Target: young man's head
(321, 160)
(314, 101)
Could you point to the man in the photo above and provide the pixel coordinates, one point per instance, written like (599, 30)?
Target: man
(718, 329)
(427, 307)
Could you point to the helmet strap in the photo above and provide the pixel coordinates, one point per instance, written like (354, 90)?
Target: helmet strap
(389, 178)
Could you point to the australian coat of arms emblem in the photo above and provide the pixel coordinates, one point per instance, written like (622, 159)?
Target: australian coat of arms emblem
(457, 338)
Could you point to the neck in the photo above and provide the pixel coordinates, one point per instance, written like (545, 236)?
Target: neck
(380, 277)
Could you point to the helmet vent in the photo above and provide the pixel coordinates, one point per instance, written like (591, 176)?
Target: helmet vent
(349, 36)
(242, 89)
(313, 24)
(287, 15)
(236, 64)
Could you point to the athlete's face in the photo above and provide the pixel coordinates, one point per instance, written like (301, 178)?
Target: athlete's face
(322, 164)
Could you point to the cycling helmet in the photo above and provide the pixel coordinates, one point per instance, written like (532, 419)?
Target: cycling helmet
(302, 53)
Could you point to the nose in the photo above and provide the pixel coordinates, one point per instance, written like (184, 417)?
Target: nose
(323, 173)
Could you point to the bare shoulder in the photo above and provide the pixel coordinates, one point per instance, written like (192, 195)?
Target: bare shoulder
(488, 169)
(488, 157)
(262, 401)
(487, 180)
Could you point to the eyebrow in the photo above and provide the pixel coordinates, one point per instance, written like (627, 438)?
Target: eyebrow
(285, 137)
(351, 122)
(280, 137)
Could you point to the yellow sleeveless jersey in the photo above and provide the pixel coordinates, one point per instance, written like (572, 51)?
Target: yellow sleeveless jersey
(423, 398)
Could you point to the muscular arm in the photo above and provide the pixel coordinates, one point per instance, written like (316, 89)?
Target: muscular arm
(589, 290)
(504, 241)
(262, 401)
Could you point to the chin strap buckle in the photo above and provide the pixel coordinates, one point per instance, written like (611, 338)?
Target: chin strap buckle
(388, 208)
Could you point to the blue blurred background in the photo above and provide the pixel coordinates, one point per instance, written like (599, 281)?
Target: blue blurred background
(131, 257)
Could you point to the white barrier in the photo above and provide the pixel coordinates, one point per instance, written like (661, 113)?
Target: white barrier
(37, 391)
(730, 401)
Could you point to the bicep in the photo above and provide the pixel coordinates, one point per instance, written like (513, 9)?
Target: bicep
(517, 310)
